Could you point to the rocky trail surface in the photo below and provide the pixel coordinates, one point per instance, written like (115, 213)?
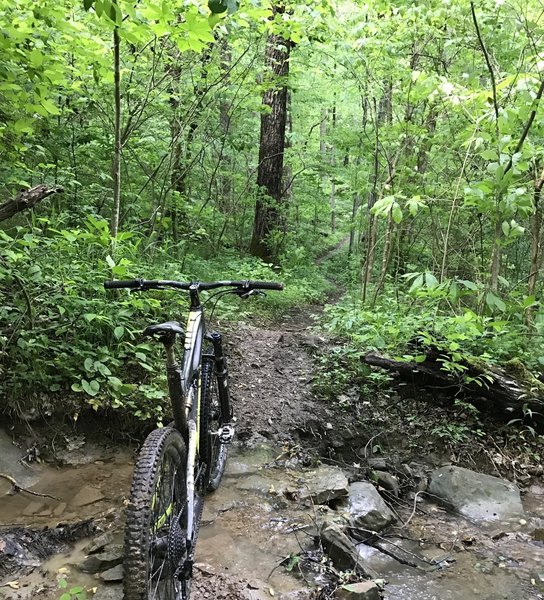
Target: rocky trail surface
(288, 495)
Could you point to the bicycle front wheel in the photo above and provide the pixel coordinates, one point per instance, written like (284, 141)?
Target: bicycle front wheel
(213, 452)
(156, 520)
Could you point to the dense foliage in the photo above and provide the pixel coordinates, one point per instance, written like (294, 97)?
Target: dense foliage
(414, 134)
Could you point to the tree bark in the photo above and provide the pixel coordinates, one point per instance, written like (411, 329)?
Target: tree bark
(116, 162)
(271, 149)
(27, 199)
(536, 227)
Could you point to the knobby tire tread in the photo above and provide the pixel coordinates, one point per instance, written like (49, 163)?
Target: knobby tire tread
(215, 465)
(139, 509)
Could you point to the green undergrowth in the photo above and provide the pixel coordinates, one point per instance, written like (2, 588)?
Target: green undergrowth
(452, 322)
(67, 344)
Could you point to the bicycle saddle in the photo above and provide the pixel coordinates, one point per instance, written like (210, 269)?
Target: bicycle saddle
(164, 328)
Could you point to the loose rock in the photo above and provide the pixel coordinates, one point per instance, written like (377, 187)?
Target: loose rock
(342, 550)
(476, 496)
(387, 481)
(113, 574)
(87, 495)
(367, 509)
(364, 590)
(96, 563)
(98, 543)
(324, 484)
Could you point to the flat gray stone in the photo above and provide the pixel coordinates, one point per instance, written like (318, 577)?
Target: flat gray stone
(87, 495)
(324, 484)
(342, 550)
(33, 508)
(113, 574)
(477, 496)
(364, 590)
(98, 543)
(97, 563)
(366, 508)
(386, 481)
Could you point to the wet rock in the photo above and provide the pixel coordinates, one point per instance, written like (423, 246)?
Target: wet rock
(59, 509)
(109, 592)
(476, 496)
(324, 484)
(366, 508)
(98, 543)
(258, 484)
(364, 590)
(342, 550)
(377, 462)
(97, 563)
(387, 481)
(113, 574)
(87, 495)
(33, 508)
(375, 559)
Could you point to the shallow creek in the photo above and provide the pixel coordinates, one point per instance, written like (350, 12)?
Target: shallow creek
(249, 526)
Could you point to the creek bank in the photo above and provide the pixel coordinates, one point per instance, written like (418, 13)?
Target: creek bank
(263, 531)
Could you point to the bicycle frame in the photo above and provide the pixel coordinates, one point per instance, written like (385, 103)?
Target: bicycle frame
(185, 382)
(184, 386)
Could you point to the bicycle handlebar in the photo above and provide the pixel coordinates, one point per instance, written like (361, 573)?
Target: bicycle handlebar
(149, 284)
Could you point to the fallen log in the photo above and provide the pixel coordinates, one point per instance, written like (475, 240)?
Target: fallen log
(27, 199)
(511, 391)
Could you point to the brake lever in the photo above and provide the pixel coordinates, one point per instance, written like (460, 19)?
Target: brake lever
(246, 295)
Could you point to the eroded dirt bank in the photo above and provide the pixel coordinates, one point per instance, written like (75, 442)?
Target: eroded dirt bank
(258, 537)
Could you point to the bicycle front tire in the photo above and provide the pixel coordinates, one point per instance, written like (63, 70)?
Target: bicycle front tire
(156, 510)
(213, 451)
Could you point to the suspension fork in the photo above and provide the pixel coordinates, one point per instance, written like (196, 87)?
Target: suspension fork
(222, 376)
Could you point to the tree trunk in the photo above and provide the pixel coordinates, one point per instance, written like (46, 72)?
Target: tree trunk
(116, 163)
(536, 227)
(353, 224)
(271, 149)
(496, 255)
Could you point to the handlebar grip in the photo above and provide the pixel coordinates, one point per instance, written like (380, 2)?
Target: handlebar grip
(132, 284)
(265, 285)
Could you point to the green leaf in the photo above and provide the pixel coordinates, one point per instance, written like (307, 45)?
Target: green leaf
(76, 590)
(489, 155)
(119, 331)
(431, 281)
(65, 596)
(397, 213)
(529, 301)
(469, 284)
(50, 107)
(63, 583)
(493, 301)
(217, 6)
(417, 284)
(90, 387)
(87, 4)
(89, 366)
(110, 261)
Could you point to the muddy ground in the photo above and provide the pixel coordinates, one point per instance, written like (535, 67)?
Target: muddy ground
(251, 531)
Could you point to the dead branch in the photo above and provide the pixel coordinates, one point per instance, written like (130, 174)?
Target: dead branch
(27, 199)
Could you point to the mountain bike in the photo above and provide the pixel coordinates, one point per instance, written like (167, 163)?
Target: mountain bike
(179, 464)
